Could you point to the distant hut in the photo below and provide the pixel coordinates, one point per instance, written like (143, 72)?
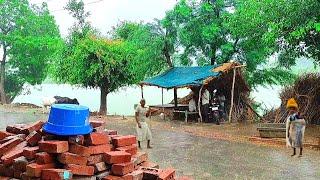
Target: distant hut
(227, 78)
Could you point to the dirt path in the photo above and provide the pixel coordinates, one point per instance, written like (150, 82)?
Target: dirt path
(209, 158)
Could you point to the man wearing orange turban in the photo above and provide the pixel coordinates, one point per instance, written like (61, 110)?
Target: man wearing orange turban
(295, 127)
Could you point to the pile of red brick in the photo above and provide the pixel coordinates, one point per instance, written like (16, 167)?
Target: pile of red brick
(29, 153)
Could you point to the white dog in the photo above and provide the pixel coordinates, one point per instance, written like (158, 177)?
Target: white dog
(47, 102)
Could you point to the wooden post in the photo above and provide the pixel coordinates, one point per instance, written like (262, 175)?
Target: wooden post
(175, 97)
(164, 117)
(199, 104)
(232, 93)
(142, 91)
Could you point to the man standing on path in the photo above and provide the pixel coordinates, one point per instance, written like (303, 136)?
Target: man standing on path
(143, 130)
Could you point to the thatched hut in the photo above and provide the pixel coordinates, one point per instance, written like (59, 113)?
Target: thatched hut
(227, 78)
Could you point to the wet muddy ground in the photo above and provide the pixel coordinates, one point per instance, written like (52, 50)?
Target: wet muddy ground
(207, 158)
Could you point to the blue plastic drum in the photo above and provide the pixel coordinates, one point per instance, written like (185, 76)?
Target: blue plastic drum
(68, 119)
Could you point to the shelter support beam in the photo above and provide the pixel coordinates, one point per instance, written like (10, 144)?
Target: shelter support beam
(175, 97)
(199, 104)
(232, 94)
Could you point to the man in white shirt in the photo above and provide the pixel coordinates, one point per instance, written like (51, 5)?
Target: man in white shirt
(205, 98)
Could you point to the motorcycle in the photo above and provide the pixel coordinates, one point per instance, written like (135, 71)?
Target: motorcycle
(215, 112)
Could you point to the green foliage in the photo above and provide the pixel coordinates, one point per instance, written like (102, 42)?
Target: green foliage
(96, 63)
(199, 29)
(148, 44)
(31, 39)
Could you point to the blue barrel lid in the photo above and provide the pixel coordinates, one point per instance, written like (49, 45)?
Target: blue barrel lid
(68, 119)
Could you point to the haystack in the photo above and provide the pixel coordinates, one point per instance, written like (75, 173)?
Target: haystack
(306, 90)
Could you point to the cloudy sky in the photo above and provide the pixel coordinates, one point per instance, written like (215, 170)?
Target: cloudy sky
(107, 13)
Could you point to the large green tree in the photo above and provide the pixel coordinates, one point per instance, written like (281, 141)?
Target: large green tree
(198, 28)
(210, 32)
(96, 62)
(256, 46)
(90, 60)
(290, 28)
(29, 40)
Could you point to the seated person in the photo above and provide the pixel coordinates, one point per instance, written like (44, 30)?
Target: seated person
(192, 105)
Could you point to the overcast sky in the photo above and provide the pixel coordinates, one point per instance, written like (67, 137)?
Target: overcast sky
(107, 13)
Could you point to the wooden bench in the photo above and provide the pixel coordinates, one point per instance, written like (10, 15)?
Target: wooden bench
(186, 114)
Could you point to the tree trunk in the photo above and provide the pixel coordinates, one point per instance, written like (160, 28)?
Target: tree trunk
(166, 51)
(103, 101)
(213, 57)
(2, 76)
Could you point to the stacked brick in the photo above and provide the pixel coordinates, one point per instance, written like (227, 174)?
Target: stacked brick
(29, 153)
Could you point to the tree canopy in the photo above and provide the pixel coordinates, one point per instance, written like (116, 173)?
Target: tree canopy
(30, 40)
(133, 52)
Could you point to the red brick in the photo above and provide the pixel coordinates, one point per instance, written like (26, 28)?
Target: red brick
(21, 136)
(4, 178)
(56, 174)
(44, 158)
(54, 146)
(80, 170)
(139, 158)
(95, 124)
(111, 132)
(150, 173)
(76, 140)
(122, 169)
(116, 157)
(24, 176)
(33, 138)
(94, 159)
(97, 138)
(14, 153)
(133, 149)
(100, 149)
(5, 147)
(4, 134)
(111, 177)
(20, 163)
(149, 164)
(80, 150)
(167, 174)
(124, 140)
(135, 175)
(99, 167)
(34, 169)
(7, 171)
(16, 128)
(17, 174)
(30, 152)
(36, 126)
(70, 158)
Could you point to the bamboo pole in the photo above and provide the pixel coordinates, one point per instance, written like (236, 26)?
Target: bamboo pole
(232, 93)
(199, 104)
(164, 117)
